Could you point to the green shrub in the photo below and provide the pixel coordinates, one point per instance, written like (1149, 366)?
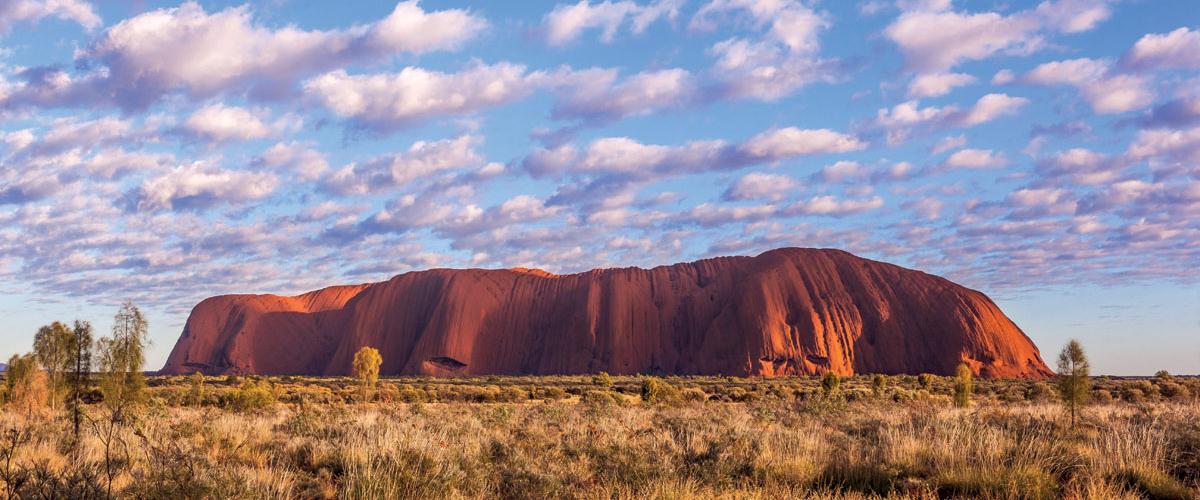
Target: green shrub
(656, 391)
(251, 396)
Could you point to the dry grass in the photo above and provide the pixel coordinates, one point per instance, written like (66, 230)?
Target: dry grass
(783, 442)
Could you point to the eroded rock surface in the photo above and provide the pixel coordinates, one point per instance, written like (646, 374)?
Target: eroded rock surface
(787, 311)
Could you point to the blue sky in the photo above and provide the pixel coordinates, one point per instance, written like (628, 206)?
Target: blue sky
(1046, 153)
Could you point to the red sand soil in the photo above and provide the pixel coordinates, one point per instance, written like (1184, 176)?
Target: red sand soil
(790, 311)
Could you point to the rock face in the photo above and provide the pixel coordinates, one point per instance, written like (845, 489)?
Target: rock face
(785, 312)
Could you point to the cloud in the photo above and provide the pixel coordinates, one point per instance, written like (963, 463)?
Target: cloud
(780, 143)
(15, 11)
(1105, 91)
(761, 186)
(1082, 166)
(975, 159)
(948, 143)
(221, 123)
(1167, 144)
(386, 102)
(198, 54)
(201, 185)
(422, 160)
(633, 159)
(834, 207)
(567, 22)
(934, 38)
(1178, 112)
(902, 120)
(782, 60)
(937, 84)
(1177, 49)
(596, 95)
(307, 163)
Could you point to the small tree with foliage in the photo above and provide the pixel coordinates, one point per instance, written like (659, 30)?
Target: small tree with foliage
(603, 379)
(1073, 382)
(122, 357)
(878, 385)
(26, 384)
(655, 390)
(963, 386)
(925, 380)
(366, 368)
(81, 367)
(830, 383)
(52, 349)
(196, 389)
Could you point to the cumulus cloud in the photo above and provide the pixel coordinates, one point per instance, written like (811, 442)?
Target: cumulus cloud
(633, 159)
(200, 54)
(902, 120)
(386, 102)
(781, 60)
(761, 186)
(567, 22)
(16, 11)
(306, 162)
(937, 84)
(1167, 144)
(200, 185)
(598, 95)
(975, 159)
(1177, 49)
(221, 123)
(422, 160)
(934, 38)
(1082, 166)
(1106, 91)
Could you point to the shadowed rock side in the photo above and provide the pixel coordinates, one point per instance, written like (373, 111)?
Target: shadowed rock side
(787, 311)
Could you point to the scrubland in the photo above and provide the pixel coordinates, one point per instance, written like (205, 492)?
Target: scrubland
(613, 437)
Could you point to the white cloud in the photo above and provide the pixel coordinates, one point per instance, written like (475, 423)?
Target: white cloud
(390, 101)
(422, 160)
(202, 184)
(566, 22)
(201, 54)
(784, 59)
(221, 123)
(902, 120)
(761, 186)
(937, 84)
(597, 95)
(842, 171)
(991, 107)
(1169, 144)
(1177, 49)
(307, 163)
(934, 38)
(949, 143)
(14, 11)
(1105, 91)
(975, 158)
(834, 207)
(786, 142)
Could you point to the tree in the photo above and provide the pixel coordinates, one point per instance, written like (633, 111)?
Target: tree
(366, 368)
(26, 384)
(121, 359)
(1073, 382)
(196, 392)
(52, 348)
(830, 383)
(963, 386)
(80, 361)
(878, 384)
(603, 379)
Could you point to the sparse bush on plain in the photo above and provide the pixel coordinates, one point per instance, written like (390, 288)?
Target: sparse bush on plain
(963, 386)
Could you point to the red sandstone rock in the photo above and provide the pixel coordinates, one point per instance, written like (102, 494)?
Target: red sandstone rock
(787, 311)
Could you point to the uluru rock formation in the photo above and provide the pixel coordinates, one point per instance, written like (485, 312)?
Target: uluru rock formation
(784, 312)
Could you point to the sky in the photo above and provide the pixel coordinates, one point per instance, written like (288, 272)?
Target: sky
(1045, 153)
